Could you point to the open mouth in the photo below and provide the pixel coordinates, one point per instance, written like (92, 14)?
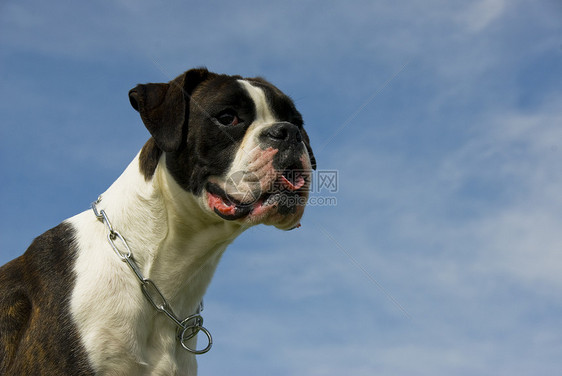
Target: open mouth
(226, 206)
(284, 194)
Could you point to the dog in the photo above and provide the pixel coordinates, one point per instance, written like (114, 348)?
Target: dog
(106, 291)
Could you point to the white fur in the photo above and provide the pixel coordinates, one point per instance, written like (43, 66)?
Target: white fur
(177, 243)
(264, 119)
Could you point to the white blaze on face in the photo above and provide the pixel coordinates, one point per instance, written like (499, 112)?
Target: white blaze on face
(264, 118)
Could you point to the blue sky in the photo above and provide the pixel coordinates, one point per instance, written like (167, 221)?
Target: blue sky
(443, 253)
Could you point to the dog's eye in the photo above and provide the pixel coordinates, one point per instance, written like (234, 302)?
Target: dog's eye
(228, 118)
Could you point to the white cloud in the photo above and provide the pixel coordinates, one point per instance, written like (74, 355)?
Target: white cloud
(482, 13)
(519, 154)
(468, 241)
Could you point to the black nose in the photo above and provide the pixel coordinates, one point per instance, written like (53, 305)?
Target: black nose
(284, 133)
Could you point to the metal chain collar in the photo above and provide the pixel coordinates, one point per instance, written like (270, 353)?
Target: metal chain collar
(188, 327)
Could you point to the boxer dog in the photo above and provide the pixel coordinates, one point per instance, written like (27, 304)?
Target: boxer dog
(117, 290)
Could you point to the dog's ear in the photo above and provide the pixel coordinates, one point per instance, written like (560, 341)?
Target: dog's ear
(309, 148)
(164, 107)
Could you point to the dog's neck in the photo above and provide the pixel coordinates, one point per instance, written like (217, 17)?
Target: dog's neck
(176, 242)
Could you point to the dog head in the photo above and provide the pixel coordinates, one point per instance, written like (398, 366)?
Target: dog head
(237, 144)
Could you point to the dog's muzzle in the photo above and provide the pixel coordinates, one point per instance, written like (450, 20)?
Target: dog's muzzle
(272, 187)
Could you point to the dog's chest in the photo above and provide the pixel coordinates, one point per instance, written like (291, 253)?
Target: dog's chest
(122, 332)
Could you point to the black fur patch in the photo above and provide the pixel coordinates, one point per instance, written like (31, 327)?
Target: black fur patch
(210, 147)
(148, 159)
(206, 148)
(37, 333)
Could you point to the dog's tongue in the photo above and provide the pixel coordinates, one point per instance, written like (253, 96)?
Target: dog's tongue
(218, 203)
(293, 185)
(227, 209)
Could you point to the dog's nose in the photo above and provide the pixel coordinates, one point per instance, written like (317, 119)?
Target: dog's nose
(284, 133)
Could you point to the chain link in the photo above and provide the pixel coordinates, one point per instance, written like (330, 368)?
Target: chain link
(188, 327)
